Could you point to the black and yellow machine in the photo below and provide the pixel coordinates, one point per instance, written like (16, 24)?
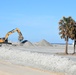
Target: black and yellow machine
(5, 39)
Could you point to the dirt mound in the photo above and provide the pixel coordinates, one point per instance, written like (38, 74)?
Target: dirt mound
(27, 44)
(42, 43)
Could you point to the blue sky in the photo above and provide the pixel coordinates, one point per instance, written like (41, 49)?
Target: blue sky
(37, 19)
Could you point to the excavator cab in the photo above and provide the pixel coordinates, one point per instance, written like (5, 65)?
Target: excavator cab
(2, 40)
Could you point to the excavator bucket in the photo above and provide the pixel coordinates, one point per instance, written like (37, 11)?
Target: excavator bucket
(20, 38)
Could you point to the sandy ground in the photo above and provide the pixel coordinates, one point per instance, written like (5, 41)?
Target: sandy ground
(11, 69)
(41, 55)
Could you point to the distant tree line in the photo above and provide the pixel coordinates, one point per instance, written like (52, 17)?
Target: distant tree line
(67, 30)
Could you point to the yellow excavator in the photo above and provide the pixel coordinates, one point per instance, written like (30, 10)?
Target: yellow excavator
(5, 39)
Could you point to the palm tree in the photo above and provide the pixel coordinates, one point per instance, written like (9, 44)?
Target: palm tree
(64, 28)
(73, 32)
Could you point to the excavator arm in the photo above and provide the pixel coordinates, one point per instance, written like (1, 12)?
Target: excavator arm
(20, 38)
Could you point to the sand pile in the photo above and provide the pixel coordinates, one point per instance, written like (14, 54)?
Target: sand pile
(28, 44)
(42, 43)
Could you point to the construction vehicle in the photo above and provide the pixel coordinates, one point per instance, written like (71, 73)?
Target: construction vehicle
(5, 39)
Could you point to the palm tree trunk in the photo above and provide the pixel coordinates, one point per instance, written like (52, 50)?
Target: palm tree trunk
(66, 49)
(74, 46)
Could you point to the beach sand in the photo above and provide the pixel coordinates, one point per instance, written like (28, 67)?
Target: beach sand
(41, 58)
(7, 68)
